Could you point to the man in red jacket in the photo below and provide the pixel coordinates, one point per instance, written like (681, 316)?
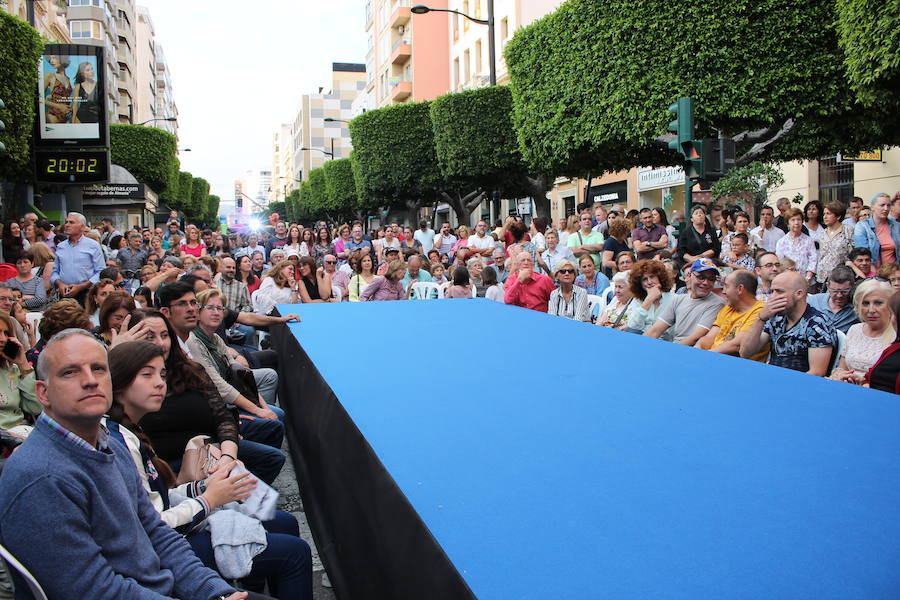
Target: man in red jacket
(527, 288)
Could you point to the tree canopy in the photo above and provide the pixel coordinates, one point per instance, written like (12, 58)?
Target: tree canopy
(870, 40)
(340, 187)
(199, 197)
(591, 83)
(185, 193)
(20, 51)
(148, 153)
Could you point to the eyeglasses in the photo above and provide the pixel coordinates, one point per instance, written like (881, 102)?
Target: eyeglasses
(838, 292)
(567, 271)
(185, 303)
(214, 307)
(769, 265)
(330, 262)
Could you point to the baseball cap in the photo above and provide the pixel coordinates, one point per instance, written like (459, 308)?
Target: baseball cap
(703, 264)
(291, 252)
(390, 249)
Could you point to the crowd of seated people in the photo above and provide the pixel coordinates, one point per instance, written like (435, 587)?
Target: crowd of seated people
(813, 290)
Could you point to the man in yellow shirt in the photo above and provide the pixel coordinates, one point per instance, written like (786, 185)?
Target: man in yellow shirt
(736, 317)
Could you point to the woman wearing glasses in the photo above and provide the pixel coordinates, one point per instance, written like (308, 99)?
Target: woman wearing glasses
(568, 300)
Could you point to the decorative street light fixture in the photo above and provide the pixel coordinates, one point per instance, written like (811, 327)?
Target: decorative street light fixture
(159, 119)
(421, 9)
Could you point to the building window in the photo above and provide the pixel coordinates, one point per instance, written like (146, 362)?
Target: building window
(467, 67)
(85, 29)
(835, 180)
(85, 2)
(456, 73)
(478, 57)
(504, 32)
(570, 205)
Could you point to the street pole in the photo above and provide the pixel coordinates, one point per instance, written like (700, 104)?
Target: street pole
(30, 11)
(492, 47)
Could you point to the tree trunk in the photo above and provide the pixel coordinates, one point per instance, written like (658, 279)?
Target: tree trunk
(464, 206)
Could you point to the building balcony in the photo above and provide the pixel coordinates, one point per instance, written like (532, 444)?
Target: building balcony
(401, 52)
(400, 16)
(400, 91)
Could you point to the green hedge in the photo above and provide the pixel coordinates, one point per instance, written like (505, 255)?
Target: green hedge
(148, 153)
(212, 210)
(20, 52)
(591, 82)
(185, 193)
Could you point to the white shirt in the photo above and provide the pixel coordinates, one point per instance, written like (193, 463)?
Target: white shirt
(426, 238)
(184, 347)
(769, 236)
(481, 242)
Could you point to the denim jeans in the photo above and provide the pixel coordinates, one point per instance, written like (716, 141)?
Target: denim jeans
(285, 564)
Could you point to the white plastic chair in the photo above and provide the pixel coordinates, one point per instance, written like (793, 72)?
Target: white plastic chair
(593, 302)
(337, 292)
(422, 290)
(839, 350)
(13, 564)
(442, 288)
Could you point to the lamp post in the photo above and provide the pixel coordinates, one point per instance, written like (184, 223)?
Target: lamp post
(421, 9)
(159, 119)
(325, 152)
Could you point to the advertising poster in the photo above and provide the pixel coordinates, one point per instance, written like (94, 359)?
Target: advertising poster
(70, 100)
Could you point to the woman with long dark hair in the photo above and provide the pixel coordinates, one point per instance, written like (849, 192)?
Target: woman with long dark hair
(13, 242)
(138, 374)
(322, 245)
(314, 284)
(193, 407)
(698, 240)
(244, 273)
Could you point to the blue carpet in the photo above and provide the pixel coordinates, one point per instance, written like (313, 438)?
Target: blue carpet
(554, 459)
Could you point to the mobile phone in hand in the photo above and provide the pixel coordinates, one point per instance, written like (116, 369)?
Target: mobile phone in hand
(10, 350)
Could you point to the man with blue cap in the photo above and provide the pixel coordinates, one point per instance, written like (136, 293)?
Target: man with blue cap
(690, 316)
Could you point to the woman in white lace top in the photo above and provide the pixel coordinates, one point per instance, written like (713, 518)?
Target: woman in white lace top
(875, 332)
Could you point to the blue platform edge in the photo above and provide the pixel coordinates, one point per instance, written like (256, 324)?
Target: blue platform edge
(555, 459)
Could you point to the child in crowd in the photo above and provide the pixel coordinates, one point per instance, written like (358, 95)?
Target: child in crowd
(461, 287)
(437, 274)
(739, 259)
(493, 290)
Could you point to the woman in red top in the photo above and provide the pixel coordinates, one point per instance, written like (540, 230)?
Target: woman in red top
(192, 244)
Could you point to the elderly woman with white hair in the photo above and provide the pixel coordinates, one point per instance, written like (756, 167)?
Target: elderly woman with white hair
(475, 266)
(615, 314)
(568, 300)
(867, 339)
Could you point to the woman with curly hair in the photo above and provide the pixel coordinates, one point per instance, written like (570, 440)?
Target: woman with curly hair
(117, 306)
(95, 297)
(64, 314)
(651, 286)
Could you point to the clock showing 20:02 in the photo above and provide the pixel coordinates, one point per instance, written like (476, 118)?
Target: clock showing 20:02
(72, 166)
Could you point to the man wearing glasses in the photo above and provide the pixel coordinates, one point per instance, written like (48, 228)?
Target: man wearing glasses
(835, 303)
(690, 316)
(767, 268)
(339, 278)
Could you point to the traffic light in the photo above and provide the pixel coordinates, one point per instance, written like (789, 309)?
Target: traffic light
(718, 157)
(683, 125)
(695, 160)
(2, 129)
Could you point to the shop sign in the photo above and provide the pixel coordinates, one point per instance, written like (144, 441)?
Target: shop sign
(654, 179)
(867, 156)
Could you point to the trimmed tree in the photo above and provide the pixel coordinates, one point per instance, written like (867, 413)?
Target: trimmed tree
(148, 153)
(476, 146)
(20, 52)
(870, 39)
(185, 194)
(305, 208)
(317, 198)
(212, 210)
(590, 93)
(292, 203)
(199, 197)
(340, 188)
(394, 157)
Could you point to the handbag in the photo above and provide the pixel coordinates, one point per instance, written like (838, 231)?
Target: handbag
(200, 455)
(241, 379)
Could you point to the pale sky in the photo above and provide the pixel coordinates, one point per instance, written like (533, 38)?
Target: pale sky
(239, 68)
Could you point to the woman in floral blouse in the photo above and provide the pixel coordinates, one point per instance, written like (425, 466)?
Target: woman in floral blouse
(798, 246)
(835, 241)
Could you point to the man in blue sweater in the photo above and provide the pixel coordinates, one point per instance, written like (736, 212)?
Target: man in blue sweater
(72, 508)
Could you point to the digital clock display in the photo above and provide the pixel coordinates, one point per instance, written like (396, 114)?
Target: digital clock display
(72, 166)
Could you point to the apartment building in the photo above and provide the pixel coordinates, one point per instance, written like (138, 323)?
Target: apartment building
(406, 54)
(144, 67)
(324, 139)
(49, 17)
(165, 98)
(282, 164)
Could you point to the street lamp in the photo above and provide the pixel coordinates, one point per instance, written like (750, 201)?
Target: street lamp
(325, 152)
(159, 119)
(421, 9)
